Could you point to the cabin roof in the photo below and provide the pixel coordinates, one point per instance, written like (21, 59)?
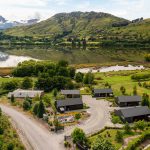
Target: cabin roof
(67, 92)
(97, 91)
(69, 102)
(19, 93)
(129, 99)
(134, 111)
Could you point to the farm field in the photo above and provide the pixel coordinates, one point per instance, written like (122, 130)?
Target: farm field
(118, 79)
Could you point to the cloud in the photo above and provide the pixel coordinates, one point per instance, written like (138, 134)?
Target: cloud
(22, 9)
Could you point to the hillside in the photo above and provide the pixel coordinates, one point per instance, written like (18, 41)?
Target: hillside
(99, 29)
(75, 23)
(139, 30)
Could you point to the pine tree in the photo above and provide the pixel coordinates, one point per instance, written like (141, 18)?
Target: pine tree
(41, 109)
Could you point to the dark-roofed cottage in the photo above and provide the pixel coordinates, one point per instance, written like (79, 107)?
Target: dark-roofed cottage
(102, 92)
(71, 93)
(69, 104)
(126, 101)
(131, 114)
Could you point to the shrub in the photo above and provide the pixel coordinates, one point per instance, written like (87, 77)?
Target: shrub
(123, 90)
(77, 116)
(140, 76)
(140, 125)
(119, 137)
(116, 119)
(147, 57)
(26, 105)
(145, 100)
(127, 128)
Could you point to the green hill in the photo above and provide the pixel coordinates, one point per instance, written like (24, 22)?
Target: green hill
(75, 23)
(98, 29)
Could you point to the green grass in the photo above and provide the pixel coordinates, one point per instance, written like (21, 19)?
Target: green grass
(9, 135)
(118, 79)
(112, 137)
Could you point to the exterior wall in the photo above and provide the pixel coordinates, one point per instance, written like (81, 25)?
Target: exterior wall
(102, 94)
(72, 107)
(72, 96)
(127, 104)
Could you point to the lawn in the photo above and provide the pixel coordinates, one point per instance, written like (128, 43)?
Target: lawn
(118, 79)
(110, 135)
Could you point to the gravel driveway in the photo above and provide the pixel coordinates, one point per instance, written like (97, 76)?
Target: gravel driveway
(41, 139)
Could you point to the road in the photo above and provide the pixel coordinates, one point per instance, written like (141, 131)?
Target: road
(41, 139)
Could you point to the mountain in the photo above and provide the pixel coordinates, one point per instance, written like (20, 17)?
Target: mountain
(5, 24)
(2, 19)
(96, 26)
(75, 23)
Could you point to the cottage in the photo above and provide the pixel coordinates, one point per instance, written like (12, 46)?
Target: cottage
(21, 94)
(71, 93)
(131, 114)
(102, 92)
(69, 104)
(126, 101)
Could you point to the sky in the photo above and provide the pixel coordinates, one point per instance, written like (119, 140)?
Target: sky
(43, 9)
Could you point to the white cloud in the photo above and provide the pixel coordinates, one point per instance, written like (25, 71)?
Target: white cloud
(22, 9)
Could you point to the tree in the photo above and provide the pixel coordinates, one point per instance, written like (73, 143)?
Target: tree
(72, 72)
(41, 109)
(134, 90)
(79, 77)
(35, 108)
(127, 128)
(101, 144)
(12, 98)
(78, 136)
(89, 78)
(119, 137)
(145, 100)
(26, 105)
(27, 83)
(63, 63)
(123, 90)
(55, 92)
(11, 85)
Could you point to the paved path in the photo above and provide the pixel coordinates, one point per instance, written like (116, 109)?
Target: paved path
(41, 139)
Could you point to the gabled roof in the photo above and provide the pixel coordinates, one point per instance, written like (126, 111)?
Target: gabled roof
(134, 111)
(129, 98)
(102, 91)
(69, 102)
(25, 93)
(66, 92)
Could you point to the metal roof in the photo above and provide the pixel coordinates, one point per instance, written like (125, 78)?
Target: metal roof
(66, 92)
(129, 98)
(69, 102)
(25, 93)
(134, 111)
(103, 91)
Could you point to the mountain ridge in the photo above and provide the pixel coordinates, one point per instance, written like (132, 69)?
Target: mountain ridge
(78, 25)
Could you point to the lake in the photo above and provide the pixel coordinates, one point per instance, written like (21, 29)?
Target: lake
(12, 60)
(101, 56)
